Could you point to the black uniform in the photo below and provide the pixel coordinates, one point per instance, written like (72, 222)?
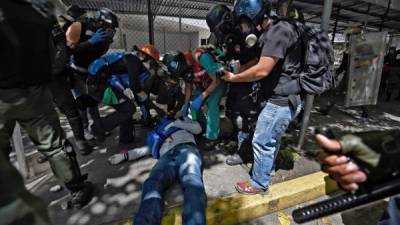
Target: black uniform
(25, 71)
(129, 66)
(82, 55)
(60, 89)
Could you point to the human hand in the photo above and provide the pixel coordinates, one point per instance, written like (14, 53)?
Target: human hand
(338, 166)
(129, 94)
(228, 76)
(98, 37)
(197, 103)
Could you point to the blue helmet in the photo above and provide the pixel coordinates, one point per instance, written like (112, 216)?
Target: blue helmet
(255, 10)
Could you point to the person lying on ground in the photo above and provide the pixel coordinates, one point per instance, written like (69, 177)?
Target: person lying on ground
(179, 159)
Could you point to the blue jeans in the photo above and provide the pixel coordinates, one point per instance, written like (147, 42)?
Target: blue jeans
(271, 124)
(392, 214)
(182, 163)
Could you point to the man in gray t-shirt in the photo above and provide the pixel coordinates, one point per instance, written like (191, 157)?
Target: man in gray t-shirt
(280, 58)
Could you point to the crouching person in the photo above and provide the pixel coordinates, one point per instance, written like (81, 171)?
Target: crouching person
(117, 79)
(179, 159)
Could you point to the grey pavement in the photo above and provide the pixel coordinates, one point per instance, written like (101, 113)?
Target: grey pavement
(118, 188)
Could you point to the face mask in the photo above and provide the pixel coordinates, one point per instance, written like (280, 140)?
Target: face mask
(248, 31)
(224, 28)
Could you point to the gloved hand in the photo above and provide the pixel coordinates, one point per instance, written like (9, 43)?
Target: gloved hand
(129, 94)
(98, 37)
(185, 110)
(197, 103)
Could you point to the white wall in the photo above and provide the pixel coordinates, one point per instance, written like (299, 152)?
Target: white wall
(166, 33)
(164, 41)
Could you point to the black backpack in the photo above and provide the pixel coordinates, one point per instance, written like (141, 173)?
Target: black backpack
(317, 67)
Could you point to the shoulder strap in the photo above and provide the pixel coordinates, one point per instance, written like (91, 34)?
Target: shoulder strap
(161, 128)
(106, 60)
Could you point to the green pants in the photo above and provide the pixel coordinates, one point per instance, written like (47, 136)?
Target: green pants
(32, 108)
(211, 122)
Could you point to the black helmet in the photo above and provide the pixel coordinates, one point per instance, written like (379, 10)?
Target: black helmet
(75, 11)
(108, 17)
(174, 64)
(218, 15)
(220, 21)
(255, 10)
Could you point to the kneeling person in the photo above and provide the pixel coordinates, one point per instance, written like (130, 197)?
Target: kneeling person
(173, 143)
(117, 79)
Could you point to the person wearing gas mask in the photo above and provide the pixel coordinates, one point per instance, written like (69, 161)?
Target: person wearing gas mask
(173, 68)
(117, 79)
(280, 57)
(25, 98)
(60, 86)
(209, 89)
(242, 104)
(88, 39)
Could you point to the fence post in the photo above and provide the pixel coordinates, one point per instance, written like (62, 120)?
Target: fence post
(151, 22)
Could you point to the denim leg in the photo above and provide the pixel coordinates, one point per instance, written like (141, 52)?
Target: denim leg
(271, 124)
(391, 216)
(190, 175)
(162, 176)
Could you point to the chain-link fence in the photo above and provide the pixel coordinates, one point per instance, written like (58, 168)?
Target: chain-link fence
(176, 25)
(170, 33)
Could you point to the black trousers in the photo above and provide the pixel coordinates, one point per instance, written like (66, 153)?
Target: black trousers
(61, 90)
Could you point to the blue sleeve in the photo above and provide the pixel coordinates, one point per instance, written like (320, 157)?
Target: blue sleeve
(115, 82)
(210, 64)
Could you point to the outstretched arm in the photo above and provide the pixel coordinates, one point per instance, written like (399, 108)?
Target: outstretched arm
(133, 154)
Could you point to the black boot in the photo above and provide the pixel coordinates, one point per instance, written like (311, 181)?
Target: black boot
(234, 160)
(83, 147)
(80, 194)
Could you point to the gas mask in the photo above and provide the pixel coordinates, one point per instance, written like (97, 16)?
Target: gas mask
(242, 43)
(223, 28)
(108, 29)
(248, 31)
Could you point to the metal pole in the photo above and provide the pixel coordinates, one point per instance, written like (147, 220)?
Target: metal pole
(20, 151)
(164, 41)
(336, 24)
(385, 15)
(326, 15)
(180, 16)
(151, 22)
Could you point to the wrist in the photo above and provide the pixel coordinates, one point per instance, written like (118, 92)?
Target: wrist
(204, 94)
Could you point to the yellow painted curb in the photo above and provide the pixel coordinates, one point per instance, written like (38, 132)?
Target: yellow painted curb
(238, 208)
